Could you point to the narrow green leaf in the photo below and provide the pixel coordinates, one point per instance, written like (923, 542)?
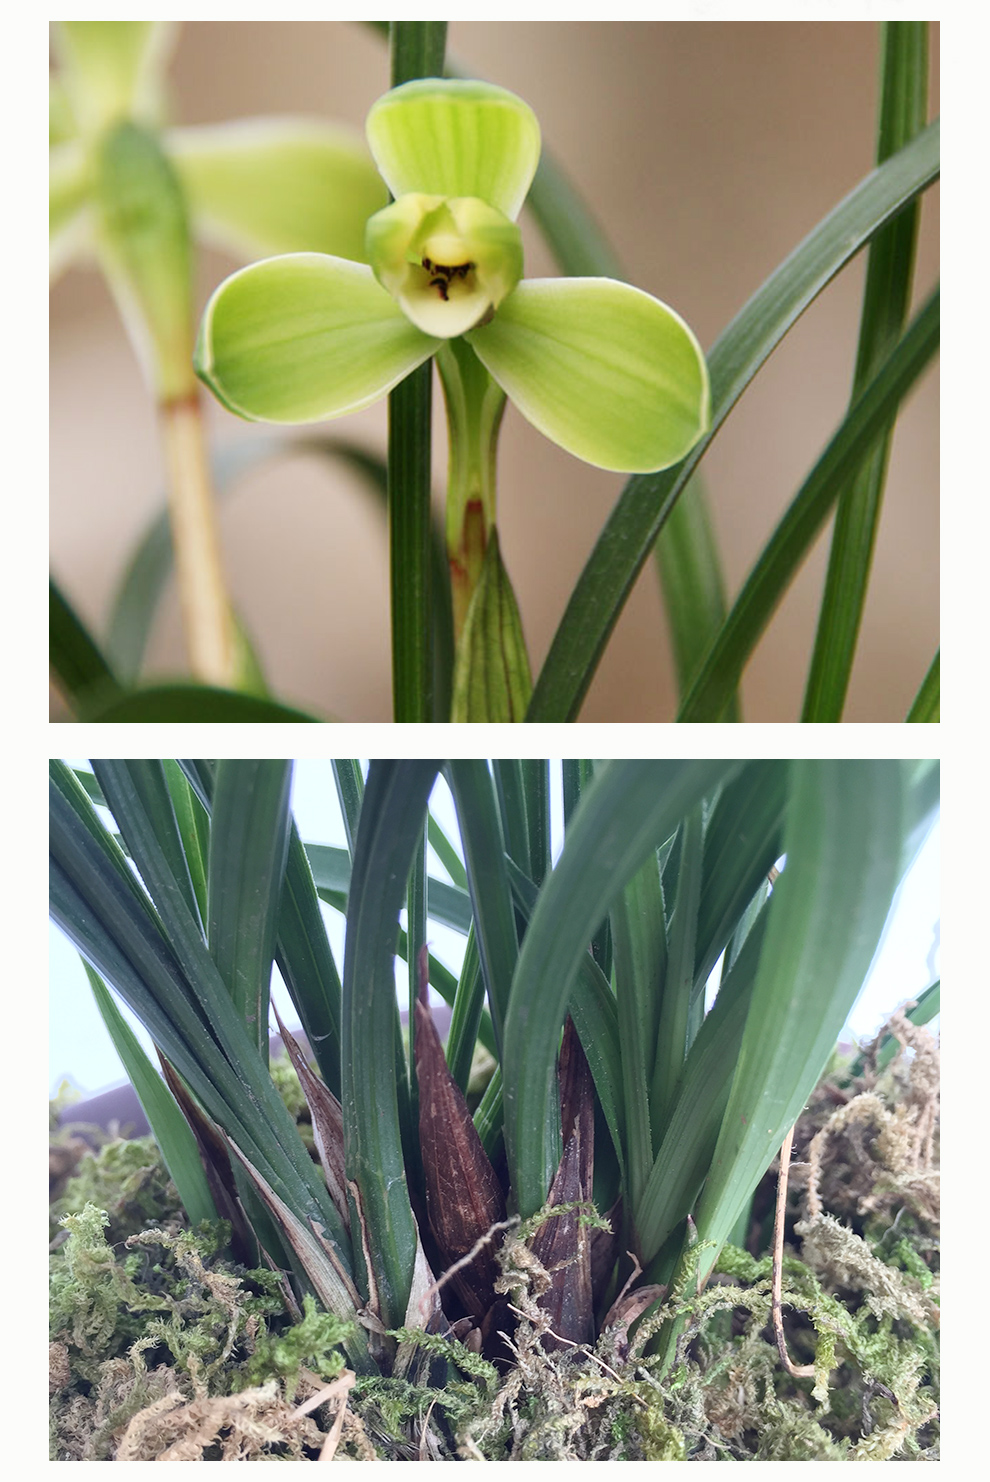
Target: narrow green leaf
(415, 942)
(691, 584)
(193, 823)
(740, 351)
(488, 1115)
(577, 775)
(926, 705)
(80, 669)
(392, 815)
(332, 873)
(843, 841)
(672, 1038)
(629, 808)
(488, 881)
(886, 301)
(349, 781)
(536, 783)
(169, 1127)
(249, 840)
(928, 1005)
(507, 772)
(923, 780)
(867, 419)
(465, 1022)
(446, 853)
(306, 962)
(147, 778)
(639, 956)
(742, 842)
(685, 1151)
(302, 952)
(189, 702)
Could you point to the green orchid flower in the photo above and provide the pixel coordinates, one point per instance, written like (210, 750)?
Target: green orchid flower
(131, 196)
(606, 371)
(252, 186)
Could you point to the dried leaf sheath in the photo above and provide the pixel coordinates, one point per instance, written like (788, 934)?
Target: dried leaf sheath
(328, 1123)
(216, 1164)
(562, 1244)
(463, 1195)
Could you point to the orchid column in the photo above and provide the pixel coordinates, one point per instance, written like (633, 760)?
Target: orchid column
(603, 369)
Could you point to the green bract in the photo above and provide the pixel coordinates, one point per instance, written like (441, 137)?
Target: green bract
(603, 369)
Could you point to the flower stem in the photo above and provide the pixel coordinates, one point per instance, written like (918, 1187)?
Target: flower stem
(206, 615)
(416, 50)
(474, 413)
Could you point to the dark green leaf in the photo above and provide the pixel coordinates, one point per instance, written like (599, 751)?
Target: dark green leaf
(886, 301)
(926, 706)
(392, 815)
(168, 1125)
(190, 702)
(691, 585)
(488, 882)
(843, 841)
(867, 419)
(249, 840)
(83, 674)
(306, 963)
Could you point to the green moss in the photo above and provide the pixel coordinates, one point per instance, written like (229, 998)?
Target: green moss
(128, 1180)
(315, 1342)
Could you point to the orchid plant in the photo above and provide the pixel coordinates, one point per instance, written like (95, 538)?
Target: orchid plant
(582, 1205)
(323, 325)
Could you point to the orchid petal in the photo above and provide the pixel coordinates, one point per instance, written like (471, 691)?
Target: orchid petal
(453, 138)
(305, 337)
(114, 69)
(68, 200)
(265, 186)
(601, 368)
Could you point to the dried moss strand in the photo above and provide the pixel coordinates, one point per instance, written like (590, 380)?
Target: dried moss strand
(797, 1371)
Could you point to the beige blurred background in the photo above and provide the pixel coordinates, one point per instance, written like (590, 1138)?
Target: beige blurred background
(709, 150)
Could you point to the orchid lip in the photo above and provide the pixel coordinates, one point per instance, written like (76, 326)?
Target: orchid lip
(448, 263)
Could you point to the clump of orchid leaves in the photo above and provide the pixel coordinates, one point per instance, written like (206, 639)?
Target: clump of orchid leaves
(577, 1209)
(324, 327)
